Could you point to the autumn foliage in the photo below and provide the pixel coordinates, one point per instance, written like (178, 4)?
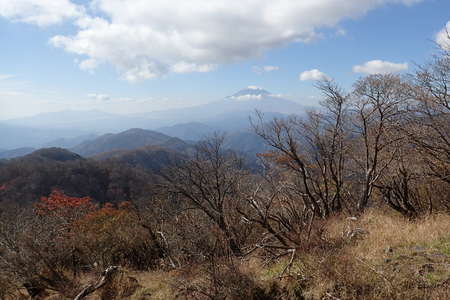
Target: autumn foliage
(59, 204)
(81, 213)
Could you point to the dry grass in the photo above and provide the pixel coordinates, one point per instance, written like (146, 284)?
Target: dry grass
(393, 259)
(156, 285)
(386, 231)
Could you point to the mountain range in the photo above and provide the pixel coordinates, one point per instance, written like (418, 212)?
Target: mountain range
(69, 129)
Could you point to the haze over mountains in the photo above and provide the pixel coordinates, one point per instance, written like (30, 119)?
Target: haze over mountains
(111, 156)
(93, 132)
(129, 140)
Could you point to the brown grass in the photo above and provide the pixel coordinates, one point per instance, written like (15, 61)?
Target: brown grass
(394, 231)
(393, 259)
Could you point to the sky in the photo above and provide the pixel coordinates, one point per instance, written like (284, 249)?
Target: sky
(131, 56)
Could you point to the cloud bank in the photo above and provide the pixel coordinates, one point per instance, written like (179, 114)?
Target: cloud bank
(380, 67)
(145, 39)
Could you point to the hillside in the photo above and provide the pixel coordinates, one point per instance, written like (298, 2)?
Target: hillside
(128, 140)
(25, 179)
(69, 142)
(151, 158)
(52, 154)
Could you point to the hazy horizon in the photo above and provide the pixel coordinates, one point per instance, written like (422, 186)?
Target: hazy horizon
(160, 109)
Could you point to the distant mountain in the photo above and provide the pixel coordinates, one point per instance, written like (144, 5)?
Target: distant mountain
(128, 140)
(69, 128)
(252, 91)
(8, 154)
(244, 102)
(69, 142)
(227, 115)
(188, 131)
(254, 98)
(52, 154)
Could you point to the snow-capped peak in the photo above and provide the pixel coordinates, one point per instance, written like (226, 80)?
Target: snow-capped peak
(250, 93)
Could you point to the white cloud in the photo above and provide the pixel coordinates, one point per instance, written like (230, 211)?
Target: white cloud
(100, 97)
(313, 74)
(39, 12)
(145, 39)
(443, 37)
(380, 67)
(6, 76)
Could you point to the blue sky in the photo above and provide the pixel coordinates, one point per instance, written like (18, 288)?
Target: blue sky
(134, 56)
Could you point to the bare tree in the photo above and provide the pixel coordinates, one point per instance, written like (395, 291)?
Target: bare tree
(314, 149)
(378, 104)
(429, 126)
(210, 182)
(272, 204)
(335, 138)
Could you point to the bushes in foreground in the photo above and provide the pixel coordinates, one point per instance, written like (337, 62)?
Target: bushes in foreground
(379, 255)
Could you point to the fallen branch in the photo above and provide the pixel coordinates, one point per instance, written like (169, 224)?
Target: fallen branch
(104, 278)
